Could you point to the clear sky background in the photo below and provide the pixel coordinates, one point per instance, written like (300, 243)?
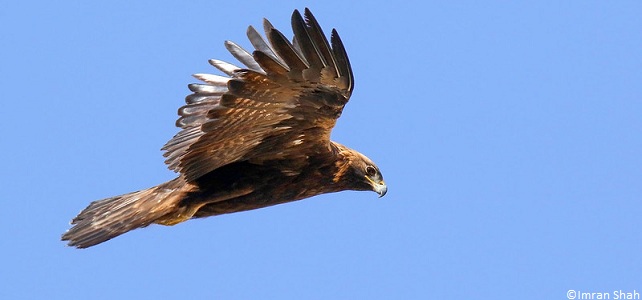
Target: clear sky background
(510, 136)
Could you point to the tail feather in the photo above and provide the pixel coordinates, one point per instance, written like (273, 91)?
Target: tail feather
(105, 219)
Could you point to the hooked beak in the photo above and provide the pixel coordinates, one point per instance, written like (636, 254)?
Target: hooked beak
(378, 187)
(381, 189)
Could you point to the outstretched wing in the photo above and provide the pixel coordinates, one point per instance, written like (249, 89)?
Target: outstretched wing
(281, 106)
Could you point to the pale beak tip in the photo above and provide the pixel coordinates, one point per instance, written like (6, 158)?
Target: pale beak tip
(382, 191)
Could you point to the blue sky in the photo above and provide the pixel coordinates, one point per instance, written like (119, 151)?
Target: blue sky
(509, 135)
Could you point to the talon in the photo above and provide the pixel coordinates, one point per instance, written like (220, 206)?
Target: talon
(181, 215)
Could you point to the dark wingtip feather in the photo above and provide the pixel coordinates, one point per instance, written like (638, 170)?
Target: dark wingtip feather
(259, 43)
(286, 51)
(268, 63)
(306, 43)
(343, 63)
(321, 41)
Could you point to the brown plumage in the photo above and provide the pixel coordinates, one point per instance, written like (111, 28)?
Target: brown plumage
(257, 138)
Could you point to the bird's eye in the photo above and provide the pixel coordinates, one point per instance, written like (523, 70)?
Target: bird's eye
(370, 170)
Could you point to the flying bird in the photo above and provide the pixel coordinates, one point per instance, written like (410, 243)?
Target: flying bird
(257, 137)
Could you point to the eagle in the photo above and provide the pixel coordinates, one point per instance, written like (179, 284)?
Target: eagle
(256, 137)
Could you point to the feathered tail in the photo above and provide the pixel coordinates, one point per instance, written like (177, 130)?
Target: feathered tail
(105, 219)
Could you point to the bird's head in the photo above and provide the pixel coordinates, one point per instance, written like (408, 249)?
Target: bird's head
(358, 172)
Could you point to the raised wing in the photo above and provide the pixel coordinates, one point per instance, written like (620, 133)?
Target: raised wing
(281, 106)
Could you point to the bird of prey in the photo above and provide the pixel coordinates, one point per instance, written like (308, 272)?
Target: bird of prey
(257, 137)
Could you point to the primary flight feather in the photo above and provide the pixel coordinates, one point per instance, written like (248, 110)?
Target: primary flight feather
(257, 137)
